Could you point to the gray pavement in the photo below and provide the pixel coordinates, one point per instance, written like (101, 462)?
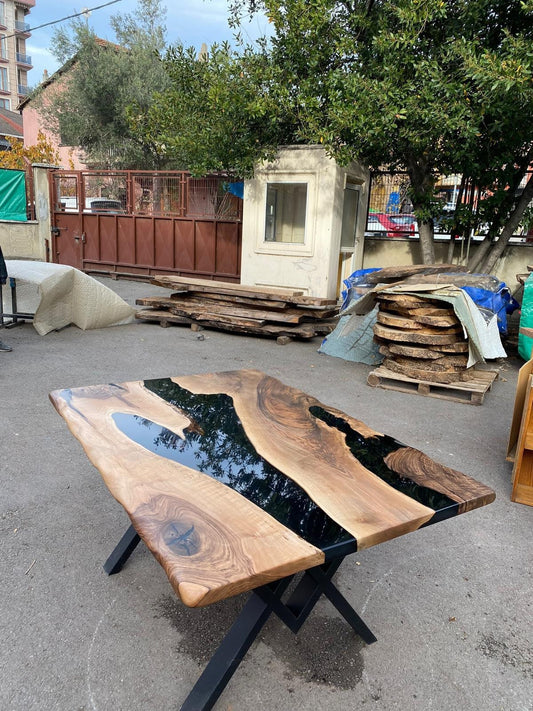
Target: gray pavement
(451, 604)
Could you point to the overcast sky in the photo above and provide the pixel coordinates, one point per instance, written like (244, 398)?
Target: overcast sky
(190, 22)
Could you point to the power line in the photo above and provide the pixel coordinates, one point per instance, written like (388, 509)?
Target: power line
(68, 17)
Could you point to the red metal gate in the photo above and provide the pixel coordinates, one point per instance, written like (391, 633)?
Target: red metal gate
(144, 222)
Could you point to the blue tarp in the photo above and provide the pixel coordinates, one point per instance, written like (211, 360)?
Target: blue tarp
(236, 189)
(356, 285)
(499, 302)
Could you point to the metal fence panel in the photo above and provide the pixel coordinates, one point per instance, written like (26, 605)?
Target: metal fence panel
(390, 211)
(161, 193)
(145, 222)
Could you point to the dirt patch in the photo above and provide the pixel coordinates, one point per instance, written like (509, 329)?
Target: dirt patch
(508, 653)
(325, 651)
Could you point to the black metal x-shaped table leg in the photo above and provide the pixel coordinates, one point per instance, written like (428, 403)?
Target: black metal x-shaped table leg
(262, 602)
(122, 551)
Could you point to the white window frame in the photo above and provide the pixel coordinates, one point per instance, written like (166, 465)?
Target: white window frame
(4, 73)
(305, 248)
(280, 207)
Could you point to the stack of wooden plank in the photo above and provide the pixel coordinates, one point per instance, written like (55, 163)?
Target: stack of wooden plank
(421, 338)
(285, 313)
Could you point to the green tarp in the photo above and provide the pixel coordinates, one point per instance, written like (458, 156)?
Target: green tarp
(12, 195)
(525, 343)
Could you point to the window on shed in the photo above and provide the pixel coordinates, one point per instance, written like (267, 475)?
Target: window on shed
(286, 205)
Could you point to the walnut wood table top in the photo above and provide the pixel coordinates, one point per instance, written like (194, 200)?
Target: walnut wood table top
(234, 479)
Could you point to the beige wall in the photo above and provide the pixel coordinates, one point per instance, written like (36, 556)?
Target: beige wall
(312, 266)
(393, 252)
(28, 240)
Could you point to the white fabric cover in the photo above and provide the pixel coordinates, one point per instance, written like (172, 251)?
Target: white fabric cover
(59, 295)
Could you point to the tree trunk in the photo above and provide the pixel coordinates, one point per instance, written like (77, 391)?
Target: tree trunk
(496, 252)
(481, 253)
(509, 214)
(427, 243)
(422, 189)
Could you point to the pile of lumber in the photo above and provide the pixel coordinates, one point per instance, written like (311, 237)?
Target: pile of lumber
(282, 313)
(418, 273)
(421, 338)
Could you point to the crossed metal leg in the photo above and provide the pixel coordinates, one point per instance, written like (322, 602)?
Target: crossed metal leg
(122, 551)
(314, 583)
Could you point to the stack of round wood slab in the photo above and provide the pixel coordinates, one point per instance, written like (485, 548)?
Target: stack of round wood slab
(421, 338)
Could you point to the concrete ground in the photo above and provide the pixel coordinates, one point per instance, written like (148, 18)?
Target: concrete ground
(451, 604)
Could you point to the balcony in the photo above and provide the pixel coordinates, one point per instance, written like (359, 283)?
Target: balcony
(23, 90)
(23, 59)
(22, 26)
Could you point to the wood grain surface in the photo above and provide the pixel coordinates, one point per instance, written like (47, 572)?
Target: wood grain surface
(406, 301)
(235, 545)
(411, 270)
(468, 492)
(437, 321)
(200, 286)
(396, 321)
(211, 540)
(277, 421)
(439, 365)
(424, 353)
(429, 336)
(422, 311)
(425, 372)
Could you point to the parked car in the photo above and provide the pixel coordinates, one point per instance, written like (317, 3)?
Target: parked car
(106, 205)
(103, 205)
(399, 225)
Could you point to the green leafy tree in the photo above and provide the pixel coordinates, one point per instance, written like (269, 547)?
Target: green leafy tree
(218, 113)
(432, 87)
(501, 157)
(100, 81)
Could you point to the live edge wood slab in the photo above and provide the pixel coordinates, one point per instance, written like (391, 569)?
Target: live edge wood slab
(234, 479)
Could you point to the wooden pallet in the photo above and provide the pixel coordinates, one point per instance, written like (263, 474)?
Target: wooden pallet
(471, 391)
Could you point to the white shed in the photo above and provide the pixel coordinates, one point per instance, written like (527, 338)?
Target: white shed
(303, 222)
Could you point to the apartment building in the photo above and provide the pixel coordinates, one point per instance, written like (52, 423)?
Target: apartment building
(14, 61)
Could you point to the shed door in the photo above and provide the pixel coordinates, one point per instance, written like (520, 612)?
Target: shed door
(350, 211)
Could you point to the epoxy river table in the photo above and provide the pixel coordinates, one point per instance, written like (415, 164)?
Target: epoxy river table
(237, 482)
